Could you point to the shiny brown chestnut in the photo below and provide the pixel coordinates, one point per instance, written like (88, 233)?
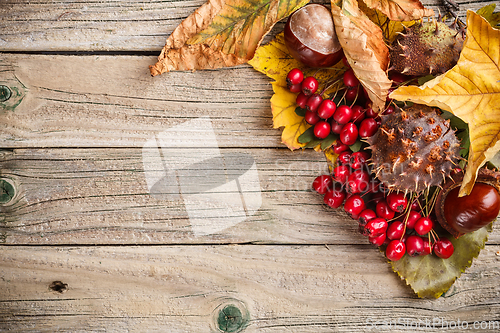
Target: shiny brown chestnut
(310, 36)
(472, 212)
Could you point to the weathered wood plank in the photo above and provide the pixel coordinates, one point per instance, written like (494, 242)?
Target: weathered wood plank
(101, 196)
(181, 289)
(111, 25)
(108, 101)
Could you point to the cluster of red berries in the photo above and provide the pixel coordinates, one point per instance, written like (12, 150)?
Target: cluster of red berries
(387, 219)
(347, 121)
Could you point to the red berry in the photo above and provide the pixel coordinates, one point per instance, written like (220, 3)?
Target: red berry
(370, 113)
(443, 248)
(350, 80)
(309, 85)
(313, 102)
(395, 230)
(427, 247)
(339, 147)
(341, 173)
(376, 227)
(351, 94)
(398, 78)
(326, 109)
(395, 250)
(413, 217)
(423, 225)
(414, 245)
(311, 117)
(322, 129)
(295, 88)
(365, 216)
(415, 205)
(349, 134)
(336, 127)
(344, 157)
(358, 181)
(334, 198)
(377, 240)
(359, 159)
(295, 76)
(301, 100)
(322, 184)
(382, 209)
(390, 109)
(368, 127)
(397, 201)
(343, 114)
(358, 114)
(354, 205)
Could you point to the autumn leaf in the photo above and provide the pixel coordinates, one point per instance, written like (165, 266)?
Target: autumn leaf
(400, 10)
(471, 91)
(488, 13)
(283, 108)
(390, 29)
(365, 50)
(430, 276)
(221, 33)
(274, 60)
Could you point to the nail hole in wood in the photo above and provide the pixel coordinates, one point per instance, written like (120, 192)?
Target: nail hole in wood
(58, 286)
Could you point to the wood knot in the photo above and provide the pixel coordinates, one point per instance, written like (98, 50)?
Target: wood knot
(58, 286)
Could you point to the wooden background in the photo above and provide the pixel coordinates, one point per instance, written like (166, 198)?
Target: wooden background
(82, 108)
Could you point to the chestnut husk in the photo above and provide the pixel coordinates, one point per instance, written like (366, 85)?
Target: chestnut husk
(306, 54)
(485, 176)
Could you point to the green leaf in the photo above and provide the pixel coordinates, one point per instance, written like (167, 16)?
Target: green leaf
(329, 140)
(300, 111)
(424, 79)
(312, 143)
(430, 276)
(356, 146)
(488, 13)
(307, 136)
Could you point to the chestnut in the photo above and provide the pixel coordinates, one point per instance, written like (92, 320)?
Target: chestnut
(472, 212)
(310, 36)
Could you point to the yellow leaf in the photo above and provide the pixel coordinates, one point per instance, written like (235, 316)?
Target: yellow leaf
(471, 91)
(365, 50)
(274, 60)
(400, 10)
(283, 108)
(221, 33)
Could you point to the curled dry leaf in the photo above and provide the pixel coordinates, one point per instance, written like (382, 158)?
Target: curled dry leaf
(471, 91)
(221, 33)
(400, 10)
(364, 48)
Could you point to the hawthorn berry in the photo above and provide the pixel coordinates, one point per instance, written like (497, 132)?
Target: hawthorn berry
(395, 250)
(349, 134)
(443, 248)
(309, 85)
(326, 108)
(350, 80)
(423, 225)
(313, 102)
(414, 245)
(311, 117)
(301, 100)
(295, 76)
(322, 129)
(322, 183)
(354, 205)
(343, 114)
(368, 127)
(334, 198)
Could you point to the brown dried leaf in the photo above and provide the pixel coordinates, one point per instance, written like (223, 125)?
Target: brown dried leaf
(400, 10)
(221, 33)
(364, 48)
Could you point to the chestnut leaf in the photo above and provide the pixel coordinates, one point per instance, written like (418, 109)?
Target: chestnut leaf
(400, 10)
(430, 276)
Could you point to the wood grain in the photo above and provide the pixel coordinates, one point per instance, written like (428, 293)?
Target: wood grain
(178, 289)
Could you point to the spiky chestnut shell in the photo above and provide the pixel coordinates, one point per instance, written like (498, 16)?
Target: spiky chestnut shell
(414, 148)
(426, 48)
